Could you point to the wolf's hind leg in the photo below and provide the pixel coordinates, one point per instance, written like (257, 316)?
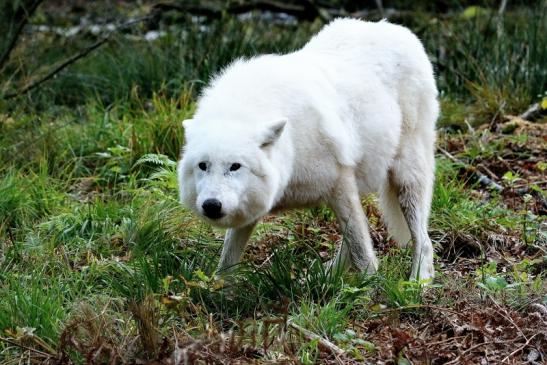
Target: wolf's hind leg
(412, 178)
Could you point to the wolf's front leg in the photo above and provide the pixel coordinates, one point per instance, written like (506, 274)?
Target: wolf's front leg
(234, 243)
(356, 249)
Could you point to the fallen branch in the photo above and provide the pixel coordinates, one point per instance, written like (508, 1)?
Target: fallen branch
(445, 340)
(306, 11)
(481, 178)
(507, 317)
(69, 61)
(520, 348)
(420, 306)
(530, 112)
(324, 343)
(457, 360)
(15, 343)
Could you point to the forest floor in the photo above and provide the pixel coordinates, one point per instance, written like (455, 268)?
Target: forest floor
(100, 264)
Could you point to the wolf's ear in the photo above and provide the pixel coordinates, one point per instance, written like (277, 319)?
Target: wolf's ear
(273, 132)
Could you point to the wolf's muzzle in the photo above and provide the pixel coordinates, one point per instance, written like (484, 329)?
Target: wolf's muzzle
(212, 208)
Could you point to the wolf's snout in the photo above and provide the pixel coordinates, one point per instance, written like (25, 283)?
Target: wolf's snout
(212, 208)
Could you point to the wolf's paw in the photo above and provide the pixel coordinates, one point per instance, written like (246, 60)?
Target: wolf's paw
(369, 265)
(372, 266)
(425, 273)
(336, 266)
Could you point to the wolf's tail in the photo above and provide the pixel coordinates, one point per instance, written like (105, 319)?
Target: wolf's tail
(393, 216)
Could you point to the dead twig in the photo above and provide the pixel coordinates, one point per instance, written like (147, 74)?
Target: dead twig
(507, 316)
(266, 261)
(420, 306)
(69, 61)
(481, 178)
(307, 10)
(521, 348)
(527, 184)
(15, 343)
(324, 343)
(532, 109)
(488, 171)
(445, 340)
(457, 359)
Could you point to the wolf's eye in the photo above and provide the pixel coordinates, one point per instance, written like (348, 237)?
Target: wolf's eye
(202, 166)
(235, 166)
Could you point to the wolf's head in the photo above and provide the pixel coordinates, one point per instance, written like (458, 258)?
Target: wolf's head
(226, 173)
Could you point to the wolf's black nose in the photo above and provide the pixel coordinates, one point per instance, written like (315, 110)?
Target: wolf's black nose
(212, 208)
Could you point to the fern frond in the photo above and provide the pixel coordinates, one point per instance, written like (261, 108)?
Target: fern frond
(156, 159)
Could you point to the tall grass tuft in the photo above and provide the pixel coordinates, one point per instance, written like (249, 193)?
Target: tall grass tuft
(184, 59)
(32, 306)
(497, 62)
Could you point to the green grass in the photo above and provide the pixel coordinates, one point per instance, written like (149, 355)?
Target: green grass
(33, 304)
(454, 209)
(184, 60)
(94, 244)
(497, 63)
(132, 243)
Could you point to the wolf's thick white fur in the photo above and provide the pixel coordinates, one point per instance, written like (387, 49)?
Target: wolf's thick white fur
(353, 112)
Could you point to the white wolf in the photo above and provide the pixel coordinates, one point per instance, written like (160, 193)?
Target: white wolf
(351, 113)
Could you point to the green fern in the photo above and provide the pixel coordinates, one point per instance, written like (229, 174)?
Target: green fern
(156, 159)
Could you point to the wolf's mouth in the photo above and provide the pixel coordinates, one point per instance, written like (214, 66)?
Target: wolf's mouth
(214, 216)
